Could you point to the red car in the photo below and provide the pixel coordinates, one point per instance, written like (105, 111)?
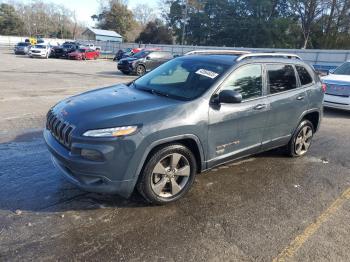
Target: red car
(84, 54)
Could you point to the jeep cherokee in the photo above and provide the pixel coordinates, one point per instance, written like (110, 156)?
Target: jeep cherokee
(187, 116)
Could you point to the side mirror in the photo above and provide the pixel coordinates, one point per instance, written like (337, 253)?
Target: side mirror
(148, 58)
(229, 97)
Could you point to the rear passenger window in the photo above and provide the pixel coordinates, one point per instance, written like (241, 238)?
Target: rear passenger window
(247, 80)
(281, 78)
(304, 75)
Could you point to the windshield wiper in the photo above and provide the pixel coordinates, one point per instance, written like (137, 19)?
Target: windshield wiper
(153, 91)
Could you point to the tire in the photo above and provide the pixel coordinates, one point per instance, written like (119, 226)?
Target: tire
(140, 70)
(301, 140)
(177, 168)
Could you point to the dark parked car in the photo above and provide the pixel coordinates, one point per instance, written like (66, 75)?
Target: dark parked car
(143, 62)
(119, 55)
(22, 48)
(64, 49)
(187, 116)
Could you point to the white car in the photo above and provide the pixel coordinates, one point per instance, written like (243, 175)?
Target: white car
(93, 47)
(338, 88)
(40, 50)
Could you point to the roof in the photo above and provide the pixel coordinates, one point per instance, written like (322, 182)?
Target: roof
(104, 32)
(221, 59)
(217, 52)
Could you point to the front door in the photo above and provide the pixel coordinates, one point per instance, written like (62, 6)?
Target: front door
(237, 129)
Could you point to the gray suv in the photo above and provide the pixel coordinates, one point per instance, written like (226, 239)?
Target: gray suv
(187, 116)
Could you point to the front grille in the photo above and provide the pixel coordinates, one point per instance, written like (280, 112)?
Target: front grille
(60, 129)
(35, 51)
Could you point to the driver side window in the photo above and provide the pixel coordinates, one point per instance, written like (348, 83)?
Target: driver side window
(246, 80)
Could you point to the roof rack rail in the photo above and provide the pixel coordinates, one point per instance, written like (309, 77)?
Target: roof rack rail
(290, 56)
(217, 52)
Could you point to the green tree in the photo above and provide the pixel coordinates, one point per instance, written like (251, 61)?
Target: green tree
(10, 22)
(115, 16)
(155, 32)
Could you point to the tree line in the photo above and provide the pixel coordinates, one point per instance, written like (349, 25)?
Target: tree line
(261, 23)
(38, 18)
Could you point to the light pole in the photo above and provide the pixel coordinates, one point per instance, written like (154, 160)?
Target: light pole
(184, 15)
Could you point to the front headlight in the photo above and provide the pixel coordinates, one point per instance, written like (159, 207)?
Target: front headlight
(112, 132)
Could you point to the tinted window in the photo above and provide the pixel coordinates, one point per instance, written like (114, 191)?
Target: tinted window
(281, 78)
(304, 75)
(246, 80)
(182, 78)
(344, 69)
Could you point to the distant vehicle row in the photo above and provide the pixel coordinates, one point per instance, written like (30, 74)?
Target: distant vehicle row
(70, 50)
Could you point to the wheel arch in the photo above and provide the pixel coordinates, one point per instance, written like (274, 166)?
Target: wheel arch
(314, 116)
(192, 142)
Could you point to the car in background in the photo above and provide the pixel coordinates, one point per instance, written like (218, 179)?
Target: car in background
(143, 62)
(22, 48)
(40, 51)
(338, 88)
(120, 53)
(65, 49)
(84, 54)
(92, 47)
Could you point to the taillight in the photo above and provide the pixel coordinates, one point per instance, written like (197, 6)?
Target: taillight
(324, 88)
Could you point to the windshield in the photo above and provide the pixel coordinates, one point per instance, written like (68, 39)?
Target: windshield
(182, 78)
(82, 50)
(22, 44)
(40, 46)
(344, 69)
(141, 54)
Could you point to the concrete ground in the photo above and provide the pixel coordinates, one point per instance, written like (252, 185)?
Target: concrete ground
(267, 207)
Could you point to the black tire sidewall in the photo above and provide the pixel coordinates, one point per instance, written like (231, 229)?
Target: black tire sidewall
(144, 184)
(291, 146)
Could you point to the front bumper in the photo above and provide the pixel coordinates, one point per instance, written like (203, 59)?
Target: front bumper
(37, 54)
(92, 176)
(338, 102)
(126, 68)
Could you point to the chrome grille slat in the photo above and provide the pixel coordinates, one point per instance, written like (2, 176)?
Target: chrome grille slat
(60, 129)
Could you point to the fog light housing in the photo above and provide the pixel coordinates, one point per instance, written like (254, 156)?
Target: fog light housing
(91, 154)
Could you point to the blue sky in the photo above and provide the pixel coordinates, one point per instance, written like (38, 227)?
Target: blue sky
(86, 8)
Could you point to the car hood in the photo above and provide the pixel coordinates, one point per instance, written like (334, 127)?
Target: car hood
(112, 106)
(129, 59)
(332, 78)
(37, 49)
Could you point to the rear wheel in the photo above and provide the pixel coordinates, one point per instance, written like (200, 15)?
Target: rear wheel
(168, 174)
(301, 141)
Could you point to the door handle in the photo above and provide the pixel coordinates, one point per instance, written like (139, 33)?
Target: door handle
(300, 97)
(260, 106)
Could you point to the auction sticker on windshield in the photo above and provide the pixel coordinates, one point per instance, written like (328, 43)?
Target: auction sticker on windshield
(207, 73)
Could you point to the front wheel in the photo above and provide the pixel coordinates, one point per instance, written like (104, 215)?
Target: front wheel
(301, 141)
(168, 174)
(140, 70)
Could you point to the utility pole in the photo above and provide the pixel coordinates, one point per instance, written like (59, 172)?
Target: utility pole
(184, 15)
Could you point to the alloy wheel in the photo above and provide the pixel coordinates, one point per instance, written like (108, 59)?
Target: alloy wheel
(170, 175)
(303, 140)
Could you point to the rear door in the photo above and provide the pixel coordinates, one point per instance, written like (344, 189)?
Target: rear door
(237, 129)
(288, 101)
